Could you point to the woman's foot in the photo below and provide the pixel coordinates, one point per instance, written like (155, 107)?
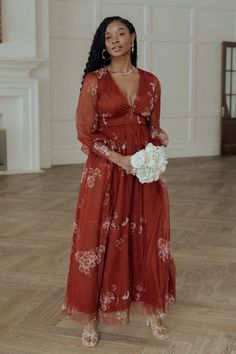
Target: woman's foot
(158, 329)
(90, 336)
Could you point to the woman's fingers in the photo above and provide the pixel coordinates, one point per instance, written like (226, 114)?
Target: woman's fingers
(126, 165)
(130, 171)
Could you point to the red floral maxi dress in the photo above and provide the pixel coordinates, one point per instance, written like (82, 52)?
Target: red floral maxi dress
(120, 257)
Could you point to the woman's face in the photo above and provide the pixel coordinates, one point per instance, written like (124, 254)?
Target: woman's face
(118, 40)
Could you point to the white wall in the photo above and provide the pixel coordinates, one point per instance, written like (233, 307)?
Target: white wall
(43, 75)
(25, 40)
(180, 41)
(18, 20)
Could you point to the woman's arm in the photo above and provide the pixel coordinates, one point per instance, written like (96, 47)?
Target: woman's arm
(158, 135)
(86, 125)
(87, 119)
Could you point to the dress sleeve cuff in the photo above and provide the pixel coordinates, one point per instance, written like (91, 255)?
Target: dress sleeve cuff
(101, 149)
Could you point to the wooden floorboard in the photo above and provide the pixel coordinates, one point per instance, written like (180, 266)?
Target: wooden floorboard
(36, 219)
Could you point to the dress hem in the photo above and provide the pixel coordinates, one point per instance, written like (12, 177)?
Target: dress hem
(118, 317)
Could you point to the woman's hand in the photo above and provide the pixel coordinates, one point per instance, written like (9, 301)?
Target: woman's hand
(126, 165)
(122, 161)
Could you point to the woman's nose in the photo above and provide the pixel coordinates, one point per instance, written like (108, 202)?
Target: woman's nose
(114, 40)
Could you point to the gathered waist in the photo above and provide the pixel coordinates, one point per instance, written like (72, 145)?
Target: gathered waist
(137, 120)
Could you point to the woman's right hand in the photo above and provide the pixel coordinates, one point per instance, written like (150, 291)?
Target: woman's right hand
(122, 161)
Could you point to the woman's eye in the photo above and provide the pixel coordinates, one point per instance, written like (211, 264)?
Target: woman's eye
(122, 33)
(106, 38)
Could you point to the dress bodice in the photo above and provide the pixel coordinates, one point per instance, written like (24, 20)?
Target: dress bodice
(102, 105)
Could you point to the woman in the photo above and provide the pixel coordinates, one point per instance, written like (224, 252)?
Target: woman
(120, 258)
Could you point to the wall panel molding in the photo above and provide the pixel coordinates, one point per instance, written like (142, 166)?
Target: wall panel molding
(179, 41)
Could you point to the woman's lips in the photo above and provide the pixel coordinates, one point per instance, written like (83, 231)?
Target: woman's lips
(116, 49)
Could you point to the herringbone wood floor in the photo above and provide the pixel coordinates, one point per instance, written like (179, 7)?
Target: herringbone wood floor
(36, 217)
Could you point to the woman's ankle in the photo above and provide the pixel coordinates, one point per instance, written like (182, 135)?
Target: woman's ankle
(92, 325)
(154, 319)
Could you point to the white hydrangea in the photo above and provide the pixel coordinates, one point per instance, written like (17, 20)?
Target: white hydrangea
(149, 163)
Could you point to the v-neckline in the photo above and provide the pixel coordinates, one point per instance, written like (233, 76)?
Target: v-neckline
(122, 93)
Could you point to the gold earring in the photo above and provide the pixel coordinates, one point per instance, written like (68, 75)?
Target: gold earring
(103, 56)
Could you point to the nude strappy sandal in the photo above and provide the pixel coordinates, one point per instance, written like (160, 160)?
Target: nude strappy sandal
(90, 339)
(159, 332)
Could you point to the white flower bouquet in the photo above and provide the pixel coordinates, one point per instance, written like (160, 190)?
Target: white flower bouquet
(149, 163)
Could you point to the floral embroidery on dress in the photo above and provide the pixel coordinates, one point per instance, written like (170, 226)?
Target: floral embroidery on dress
(106, 199)
(146, 112)
(153, 86)
(75, 230)
(75, 227)
(156, 131)
(125, 222)
(169, 299)
(159, 133)
(119, 243)
(164, 249)
(92, 89)
(80, 203)
(131, 111)
(138, 292)
(153, 94)
(120, 315)
(85, 170)
(104, 117)
(137, 225)
(95, 123)
(123, 146)
(117, 225)
(93, 174)
(139, 120)
(140, 229)
(100, 72)
(126, 295)
(132, 226)
(114, 136)
(106, 299)
(89, 259)
(102, 148)
(106, 224)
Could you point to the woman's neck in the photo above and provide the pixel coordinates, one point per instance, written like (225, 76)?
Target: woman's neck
(119, 65)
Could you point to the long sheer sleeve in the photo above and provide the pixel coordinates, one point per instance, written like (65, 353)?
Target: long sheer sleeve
(158, 135)
(87, 119)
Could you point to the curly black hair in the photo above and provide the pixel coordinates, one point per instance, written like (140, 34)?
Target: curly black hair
(95, 60)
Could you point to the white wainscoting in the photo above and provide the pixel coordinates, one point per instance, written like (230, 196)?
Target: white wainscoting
(20, 114)
(179, 41)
